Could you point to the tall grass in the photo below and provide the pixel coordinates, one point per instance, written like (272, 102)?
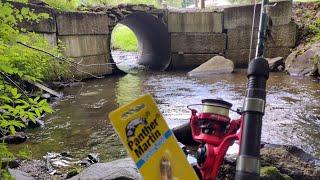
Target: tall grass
(123, 38)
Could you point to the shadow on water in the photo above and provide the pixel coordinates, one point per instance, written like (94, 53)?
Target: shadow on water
(80, 125)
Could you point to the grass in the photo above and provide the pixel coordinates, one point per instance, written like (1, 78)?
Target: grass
(123, 38)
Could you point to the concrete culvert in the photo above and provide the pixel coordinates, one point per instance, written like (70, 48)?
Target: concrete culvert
(153, 40)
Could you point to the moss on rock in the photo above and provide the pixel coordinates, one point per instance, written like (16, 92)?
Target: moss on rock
(271, 172)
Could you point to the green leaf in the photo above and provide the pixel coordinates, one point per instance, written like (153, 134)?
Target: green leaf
(14, 92)
(36, 99)
(24, 11)
(6, 99)
(37, 111)
(12, 129)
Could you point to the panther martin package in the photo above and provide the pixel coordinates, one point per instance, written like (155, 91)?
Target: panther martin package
(150, 142)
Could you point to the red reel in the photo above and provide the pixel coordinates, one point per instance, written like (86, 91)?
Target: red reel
(216, 132)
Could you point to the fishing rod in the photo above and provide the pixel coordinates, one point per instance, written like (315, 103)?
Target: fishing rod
(216, 132)
(248, 161)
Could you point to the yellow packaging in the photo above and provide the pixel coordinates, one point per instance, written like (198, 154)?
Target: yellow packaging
(150, 142)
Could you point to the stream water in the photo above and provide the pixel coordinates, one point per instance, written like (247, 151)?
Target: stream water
(80, 122)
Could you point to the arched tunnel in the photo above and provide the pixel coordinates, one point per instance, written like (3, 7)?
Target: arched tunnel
(153, 40)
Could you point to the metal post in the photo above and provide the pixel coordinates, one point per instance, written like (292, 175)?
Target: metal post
(248, 162)
(202, 4)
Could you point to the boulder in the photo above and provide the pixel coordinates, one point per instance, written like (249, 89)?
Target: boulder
(215, 65)
(17, 138)
(291, 160)
(19, 175)
(119, 169)
(276, 64)
(35, 124)
(303, 61)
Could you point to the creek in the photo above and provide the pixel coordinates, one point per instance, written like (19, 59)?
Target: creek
(80, 122)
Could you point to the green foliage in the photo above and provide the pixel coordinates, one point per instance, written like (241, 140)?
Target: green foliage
(116, 2)
(123, 38)
(271, 172)
(17, 65)
(15, 110)
(21, 61)
(156, 3)
(7, 155)
(24, 153)
(63, 5)
(315, 29)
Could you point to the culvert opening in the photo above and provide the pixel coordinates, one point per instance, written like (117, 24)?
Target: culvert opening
(124, 49)
(153, 45)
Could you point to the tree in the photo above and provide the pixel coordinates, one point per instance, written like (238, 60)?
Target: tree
(19, 64)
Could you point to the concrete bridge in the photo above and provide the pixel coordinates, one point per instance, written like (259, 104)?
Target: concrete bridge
(168, 38)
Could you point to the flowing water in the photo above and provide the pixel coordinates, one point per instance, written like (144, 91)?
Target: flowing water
(80, 122)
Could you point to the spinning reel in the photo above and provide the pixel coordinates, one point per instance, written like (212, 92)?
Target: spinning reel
(214, 129)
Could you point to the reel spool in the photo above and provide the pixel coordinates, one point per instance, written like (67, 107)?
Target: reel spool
(214, 117)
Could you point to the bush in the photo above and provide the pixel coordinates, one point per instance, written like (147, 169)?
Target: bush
(63, 5)
(17, 65)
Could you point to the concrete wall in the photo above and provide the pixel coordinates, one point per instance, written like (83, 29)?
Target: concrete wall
(194, 35)
(86, 38)
(197, 35)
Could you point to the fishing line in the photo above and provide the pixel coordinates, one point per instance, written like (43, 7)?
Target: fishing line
(252, 29)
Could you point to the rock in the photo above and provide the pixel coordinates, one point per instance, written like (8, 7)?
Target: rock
(291, 161)
(94, 157)
(9, 163)
(66, 154)
(36, 168)
(14, 163)
(319, 68)
(91, 159)
(19, 175)
(17, 138)
(303, 61)
(72, 173)
(215, 65)
(119, 169)
(276, 64)
(37, 123)
(85, 162)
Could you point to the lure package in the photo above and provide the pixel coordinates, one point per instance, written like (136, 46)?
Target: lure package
(150, 142)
